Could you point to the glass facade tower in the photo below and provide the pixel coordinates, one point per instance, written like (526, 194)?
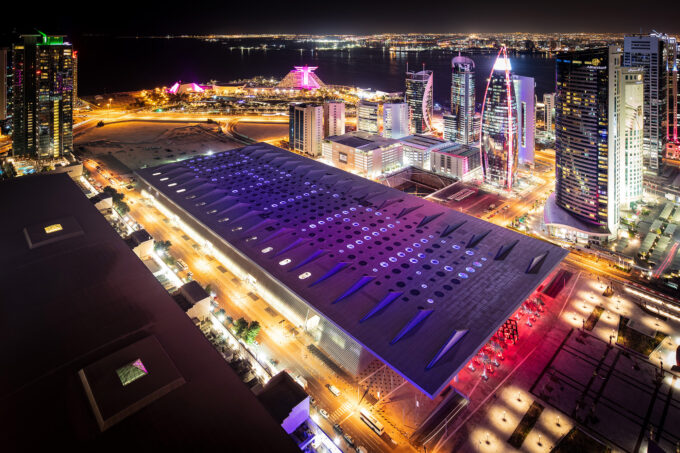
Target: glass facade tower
(463, 100)
(418, 96)
(657, 55)
(42, 97)
(586, 136)
(499, 126)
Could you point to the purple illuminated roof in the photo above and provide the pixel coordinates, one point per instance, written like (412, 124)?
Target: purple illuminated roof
(400, 275)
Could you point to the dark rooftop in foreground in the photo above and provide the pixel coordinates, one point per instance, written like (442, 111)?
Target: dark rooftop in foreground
(421, 286)
(97, 355)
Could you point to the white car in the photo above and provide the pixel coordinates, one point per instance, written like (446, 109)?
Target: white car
(323, 413)
(333, 389)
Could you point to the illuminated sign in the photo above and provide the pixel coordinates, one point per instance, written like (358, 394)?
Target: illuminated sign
(53, 228)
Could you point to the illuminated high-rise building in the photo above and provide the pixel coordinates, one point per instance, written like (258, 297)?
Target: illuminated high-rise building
(526, 117)
(75, 76)
(499, 126)
(305, 128)
(418, 96)
(657, 55)
(42, 96)
(333, 118)
(395, 120)
(630, 134)
(462, 101)
(549, 112)
(587, 152)
(4, 91)
(367, 116)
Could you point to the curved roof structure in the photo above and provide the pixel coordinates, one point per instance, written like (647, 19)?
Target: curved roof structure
(421, 286)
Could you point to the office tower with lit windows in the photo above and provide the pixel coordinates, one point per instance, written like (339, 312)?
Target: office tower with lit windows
(587, 143)
(305, 128)
(656, 54)
(418, 96)
(549, 112)
(526, 117)
(395, 120)
(462, 101)
(630, 134)
(499, 126)
(4, 82)
(333, 118)
(75, 76)
(367, 117)
(42, 96)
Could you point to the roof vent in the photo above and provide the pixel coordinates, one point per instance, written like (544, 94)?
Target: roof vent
(391, 297)
(505, 250)
(536, 262)
(428, 218)
(363, 281)
(408, 210)
(457, 335)
(334, 270)
(476, 239)
(451, 228)
(412, 324)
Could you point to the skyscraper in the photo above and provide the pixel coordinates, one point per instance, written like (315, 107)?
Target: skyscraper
(305, 128)
(75, 76)
(499, 126)
(4, 54)
(462, 100)
(367, 116)
(526, 117)
(630, 134)
(549, 118)
(42, 96)
(586, 138)
(333, 118)
(418, 96)
(657, 55)
(395, 120)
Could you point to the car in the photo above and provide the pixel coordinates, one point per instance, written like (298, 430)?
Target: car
(129, 187)
(361, 449)
(333, 389)
(182, 265)
(338, 429)
(323, 413)
(348, 439)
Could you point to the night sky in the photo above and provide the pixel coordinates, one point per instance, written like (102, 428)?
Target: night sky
(327, 16)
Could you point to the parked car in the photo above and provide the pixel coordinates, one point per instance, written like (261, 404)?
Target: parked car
(333, 389)
(323, 413)
(182, 265)
(338, 429)
(348, 439)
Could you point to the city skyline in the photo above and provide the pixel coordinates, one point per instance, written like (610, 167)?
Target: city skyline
(363, 243)
(378, 16)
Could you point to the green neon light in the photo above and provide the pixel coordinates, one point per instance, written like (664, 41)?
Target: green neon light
(51, 40)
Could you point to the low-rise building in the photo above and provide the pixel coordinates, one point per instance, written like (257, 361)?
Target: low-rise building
(141, 243)
(365, 154)
(417, 148)
(460, 161)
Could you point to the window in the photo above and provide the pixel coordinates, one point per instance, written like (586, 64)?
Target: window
(131, 372)
(53, 228)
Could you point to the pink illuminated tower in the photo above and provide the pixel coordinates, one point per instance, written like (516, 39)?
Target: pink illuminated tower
(307, 80)
(498, 143)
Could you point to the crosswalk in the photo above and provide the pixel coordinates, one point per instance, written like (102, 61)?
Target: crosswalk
(340, 412)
